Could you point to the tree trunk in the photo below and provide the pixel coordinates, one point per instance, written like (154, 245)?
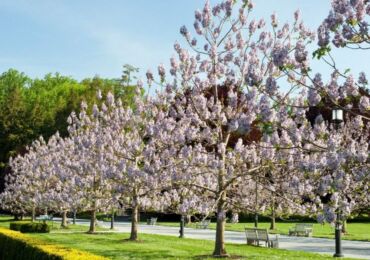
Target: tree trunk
(112, 220)
(92, 221)
(220, 250)
(344, 227)
(64, 220)
(33, 214)
(188, 219)
(134, 222)
(74, 217)
(273, 226)
(182, 225)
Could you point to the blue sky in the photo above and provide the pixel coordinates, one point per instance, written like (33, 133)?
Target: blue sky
(86, 38)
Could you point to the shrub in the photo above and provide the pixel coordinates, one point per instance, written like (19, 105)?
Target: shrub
(15, 245)
(99, 216)
(15, 226)
(30, 227)
(35, 228)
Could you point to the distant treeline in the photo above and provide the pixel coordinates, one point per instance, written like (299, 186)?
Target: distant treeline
(33, 107)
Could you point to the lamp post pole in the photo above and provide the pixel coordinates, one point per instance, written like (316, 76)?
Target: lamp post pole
(338, 239)
(337, 117)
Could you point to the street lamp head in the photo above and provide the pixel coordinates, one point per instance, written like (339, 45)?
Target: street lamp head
(337, 115)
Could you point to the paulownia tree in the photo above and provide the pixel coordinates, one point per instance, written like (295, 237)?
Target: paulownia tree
(218, 102)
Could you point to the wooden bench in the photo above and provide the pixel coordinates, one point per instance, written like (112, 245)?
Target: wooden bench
(301, 229)
(203, 224)
(256, 235)
(44, 218)
(151, 221)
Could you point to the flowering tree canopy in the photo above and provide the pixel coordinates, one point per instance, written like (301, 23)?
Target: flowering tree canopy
(233, 119)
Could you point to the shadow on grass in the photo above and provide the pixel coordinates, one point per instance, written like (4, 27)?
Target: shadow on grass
(201, 257)
(127, 240)
(3, 221)
(143, 254)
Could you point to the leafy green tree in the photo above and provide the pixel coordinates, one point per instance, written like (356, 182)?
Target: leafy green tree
(30, 108)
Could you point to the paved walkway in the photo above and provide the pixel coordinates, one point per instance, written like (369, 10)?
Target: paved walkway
(355, 249)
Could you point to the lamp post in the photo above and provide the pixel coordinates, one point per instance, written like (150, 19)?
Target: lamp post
(337, 118)
(338, 239)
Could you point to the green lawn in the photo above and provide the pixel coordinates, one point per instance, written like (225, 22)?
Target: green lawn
(356, 231)
(115, 246)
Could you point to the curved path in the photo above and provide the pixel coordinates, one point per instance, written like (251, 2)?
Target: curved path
(355, 249)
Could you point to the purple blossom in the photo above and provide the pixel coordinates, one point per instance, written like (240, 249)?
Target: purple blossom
(197, 28)
(198, 15)
(233, 125)
(194, 42)
(161, 71)
(323, 35)
(274, 21)
(252, 26)
(184, 31)
(149, 76)
(364, 104)
(206, 14)
(350, 86)
(314, 97)
(362, 79)
(300, 52)
(271, 86)
(280, 55)
(297, 15)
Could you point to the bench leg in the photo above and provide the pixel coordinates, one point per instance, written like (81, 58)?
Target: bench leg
(252, 242)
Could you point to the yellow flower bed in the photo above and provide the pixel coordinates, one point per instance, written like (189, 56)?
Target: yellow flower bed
(44, 248)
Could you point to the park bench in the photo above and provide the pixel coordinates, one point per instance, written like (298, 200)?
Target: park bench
(301, 229)
(203, 224)
(256, 235)
(151, 221)
(44, 218)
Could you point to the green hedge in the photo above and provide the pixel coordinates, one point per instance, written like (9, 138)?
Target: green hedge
(15, 245)
(16, 226)
(30, 227)
(99, 215)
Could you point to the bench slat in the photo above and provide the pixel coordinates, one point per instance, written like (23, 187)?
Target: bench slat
(255, 235)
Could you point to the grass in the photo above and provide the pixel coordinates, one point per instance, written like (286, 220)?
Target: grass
(115, 246)
(356, 231)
